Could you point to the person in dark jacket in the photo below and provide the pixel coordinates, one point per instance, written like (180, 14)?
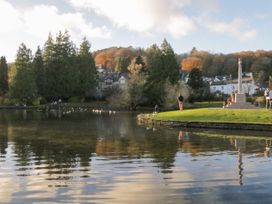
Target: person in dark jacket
(180, 102)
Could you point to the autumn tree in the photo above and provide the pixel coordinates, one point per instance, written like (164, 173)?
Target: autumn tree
(191, 62)
(137, 65)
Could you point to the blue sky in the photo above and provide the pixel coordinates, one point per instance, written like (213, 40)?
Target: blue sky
(214, 25)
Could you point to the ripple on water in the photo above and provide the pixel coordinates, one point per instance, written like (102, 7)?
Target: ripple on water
(63, 161)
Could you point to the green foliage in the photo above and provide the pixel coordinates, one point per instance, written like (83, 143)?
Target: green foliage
(39, 71)
(24, 88)
(200, 90)
(59, 72)
(133, 94)
(75, 99)
(262, 69)
(171, 67)
(7, 101)
(68, 73)
(173, 91)
(3, 76)
(122, 64)
(135, 90)
(195, 80)
(85, 71)
(120, 100)
(59, 67)
(163, 66)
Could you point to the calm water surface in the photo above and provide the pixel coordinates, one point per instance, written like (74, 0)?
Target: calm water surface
(88, 158)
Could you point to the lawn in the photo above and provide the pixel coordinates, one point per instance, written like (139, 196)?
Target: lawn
(204, 104)
(258, 116)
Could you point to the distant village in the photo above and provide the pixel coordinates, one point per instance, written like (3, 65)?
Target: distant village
(227, 85)
(108, 80)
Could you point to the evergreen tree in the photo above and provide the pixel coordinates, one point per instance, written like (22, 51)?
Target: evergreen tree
(48, 50)
(164, 67)
(23, 87)
(154, 89)
(156, 68)
(195, 80)
(170, 63)
(59, 60)
(86, 71)
(139, 60)
(48, 59)
(122, 64)
(3, 76)
(118, 65)
(199, 88)
(38, 67)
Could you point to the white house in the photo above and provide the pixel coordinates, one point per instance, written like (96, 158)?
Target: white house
(227, 87)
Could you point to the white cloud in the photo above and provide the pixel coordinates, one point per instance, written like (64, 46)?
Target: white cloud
(32, 26)
(163, 16)
(43, 19)
(237, 28)
(9, 18)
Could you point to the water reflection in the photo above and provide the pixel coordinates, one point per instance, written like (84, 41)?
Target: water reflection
(110, 159)
(240, 145)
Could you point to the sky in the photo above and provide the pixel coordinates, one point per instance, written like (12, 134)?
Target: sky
(223, 26)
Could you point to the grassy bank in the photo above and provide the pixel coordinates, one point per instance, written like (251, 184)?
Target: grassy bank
(205, 104)
(259, 116)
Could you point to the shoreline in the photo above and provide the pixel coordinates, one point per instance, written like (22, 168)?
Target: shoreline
(142, 119)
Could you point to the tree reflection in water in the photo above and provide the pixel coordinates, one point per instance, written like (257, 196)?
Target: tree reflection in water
(82, 150)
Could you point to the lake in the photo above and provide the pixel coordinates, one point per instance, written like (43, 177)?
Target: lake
(93, 158)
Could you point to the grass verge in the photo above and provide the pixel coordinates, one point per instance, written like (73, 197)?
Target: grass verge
(258, 116)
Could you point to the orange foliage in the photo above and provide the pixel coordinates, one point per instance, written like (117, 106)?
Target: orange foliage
(191, 62)
(100, 59)
(107, 58)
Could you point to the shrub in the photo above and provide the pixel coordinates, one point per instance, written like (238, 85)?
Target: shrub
(173, 91)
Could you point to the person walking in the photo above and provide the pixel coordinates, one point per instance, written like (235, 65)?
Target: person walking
(180, 102)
